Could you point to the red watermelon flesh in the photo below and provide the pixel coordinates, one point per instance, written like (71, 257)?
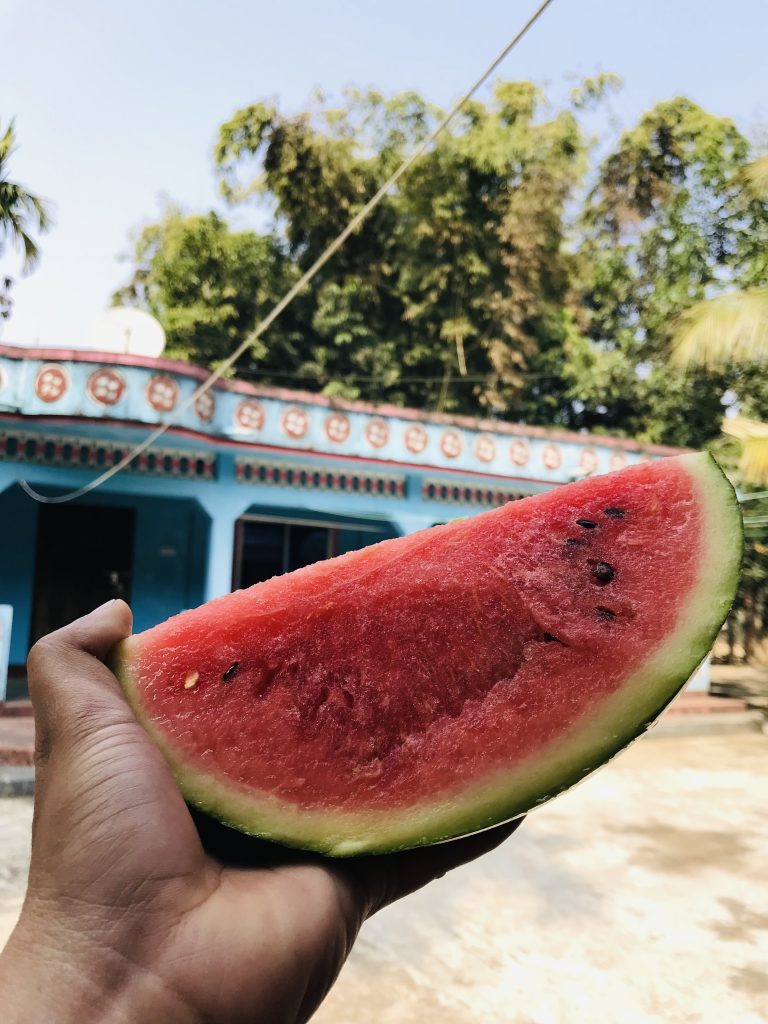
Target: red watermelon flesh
(435, 684)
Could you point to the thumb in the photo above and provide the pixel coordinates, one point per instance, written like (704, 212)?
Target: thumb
(73, 693)
(108, 814)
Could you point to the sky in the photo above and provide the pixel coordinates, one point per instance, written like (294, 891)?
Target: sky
(117, 104)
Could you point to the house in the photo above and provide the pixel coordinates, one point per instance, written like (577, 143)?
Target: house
(248, 482)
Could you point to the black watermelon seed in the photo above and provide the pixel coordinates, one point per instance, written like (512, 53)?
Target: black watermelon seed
(574, 542)
(550, 638)
(605, 613)
(603, 572)
(587, 524)
(615, 513)
(230, 673)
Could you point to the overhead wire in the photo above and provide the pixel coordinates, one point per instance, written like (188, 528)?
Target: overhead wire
(299, 286)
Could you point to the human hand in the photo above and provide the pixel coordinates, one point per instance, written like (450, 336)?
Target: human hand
(135, 913)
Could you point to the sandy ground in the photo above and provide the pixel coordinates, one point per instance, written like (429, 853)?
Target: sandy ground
(641, 896)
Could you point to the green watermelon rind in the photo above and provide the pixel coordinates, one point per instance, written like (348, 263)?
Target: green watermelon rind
(562, 763)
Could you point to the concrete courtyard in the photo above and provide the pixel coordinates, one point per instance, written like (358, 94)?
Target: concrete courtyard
(640, 897)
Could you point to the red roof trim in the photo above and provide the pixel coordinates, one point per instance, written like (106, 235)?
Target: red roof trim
(309, 398)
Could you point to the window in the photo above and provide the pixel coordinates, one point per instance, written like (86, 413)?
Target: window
(267, 547)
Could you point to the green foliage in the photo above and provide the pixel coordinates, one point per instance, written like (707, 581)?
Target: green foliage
(666, 225)
(747, 623)
(208, 285)
(444, 295)
(21, 212)
(486, 282)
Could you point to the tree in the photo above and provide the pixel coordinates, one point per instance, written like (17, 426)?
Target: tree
(6, 302)
(449, 290)
(20, 210)
(664, 226)
(20, 213)
(732, 329)
(208, 285)
(486, 283)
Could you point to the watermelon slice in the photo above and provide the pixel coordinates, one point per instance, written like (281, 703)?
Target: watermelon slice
(437, 684)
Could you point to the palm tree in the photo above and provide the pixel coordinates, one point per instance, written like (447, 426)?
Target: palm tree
(733, 328)
(752, 435)
(20, 210)
(755, 177)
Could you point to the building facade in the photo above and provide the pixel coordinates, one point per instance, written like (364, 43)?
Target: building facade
(250, 482)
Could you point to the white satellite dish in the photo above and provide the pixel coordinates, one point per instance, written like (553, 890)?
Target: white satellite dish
(126, 330)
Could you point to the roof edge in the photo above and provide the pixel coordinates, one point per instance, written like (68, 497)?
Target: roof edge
(312, 398)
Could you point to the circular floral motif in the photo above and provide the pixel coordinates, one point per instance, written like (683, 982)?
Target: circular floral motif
(519, 453)
(205, 406)
(416, 439)
(51, 383)
(249, 414)
(162, 392)
(618, 460)
(105, 386)
(485, 448)
(551, 456)
(377, 433)
(588, 460)
(451, 444)
(337, 427)
(294, 421)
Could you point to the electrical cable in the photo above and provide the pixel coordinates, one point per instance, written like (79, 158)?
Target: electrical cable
(290, 295)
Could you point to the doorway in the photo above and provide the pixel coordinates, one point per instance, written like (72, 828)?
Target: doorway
(84, 557)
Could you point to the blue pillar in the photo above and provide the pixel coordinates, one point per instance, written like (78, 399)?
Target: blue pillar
(224, 505)
(221, 545)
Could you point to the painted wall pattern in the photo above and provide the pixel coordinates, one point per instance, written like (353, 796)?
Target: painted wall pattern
(81, 387)
(315, 476)
(83, 452)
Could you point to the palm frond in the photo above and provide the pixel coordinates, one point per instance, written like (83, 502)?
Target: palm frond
(20, 210)
(7, 141)
(755, 177)
(30, 248)
(753, 436)
(37, 208)
(731, 328)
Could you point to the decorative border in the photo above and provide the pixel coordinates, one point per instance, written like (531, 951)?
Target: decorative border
(310, 476)
(415, 417)
(436, 489)
(91, 453)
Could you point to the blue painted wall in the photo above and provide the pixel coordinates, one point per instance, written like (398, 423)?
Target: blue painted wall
(169, 559)
(18, 533)
(169, 564)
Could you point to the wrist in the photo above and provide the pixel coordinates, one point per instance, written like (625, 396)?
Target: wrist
(49, 975)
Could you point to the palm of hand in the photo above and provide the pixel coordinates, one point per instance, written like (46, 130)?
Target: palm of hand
(222, 928)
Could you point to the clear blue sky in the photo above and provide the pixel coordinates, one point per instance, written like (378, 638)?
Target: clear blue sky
(117, 103)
